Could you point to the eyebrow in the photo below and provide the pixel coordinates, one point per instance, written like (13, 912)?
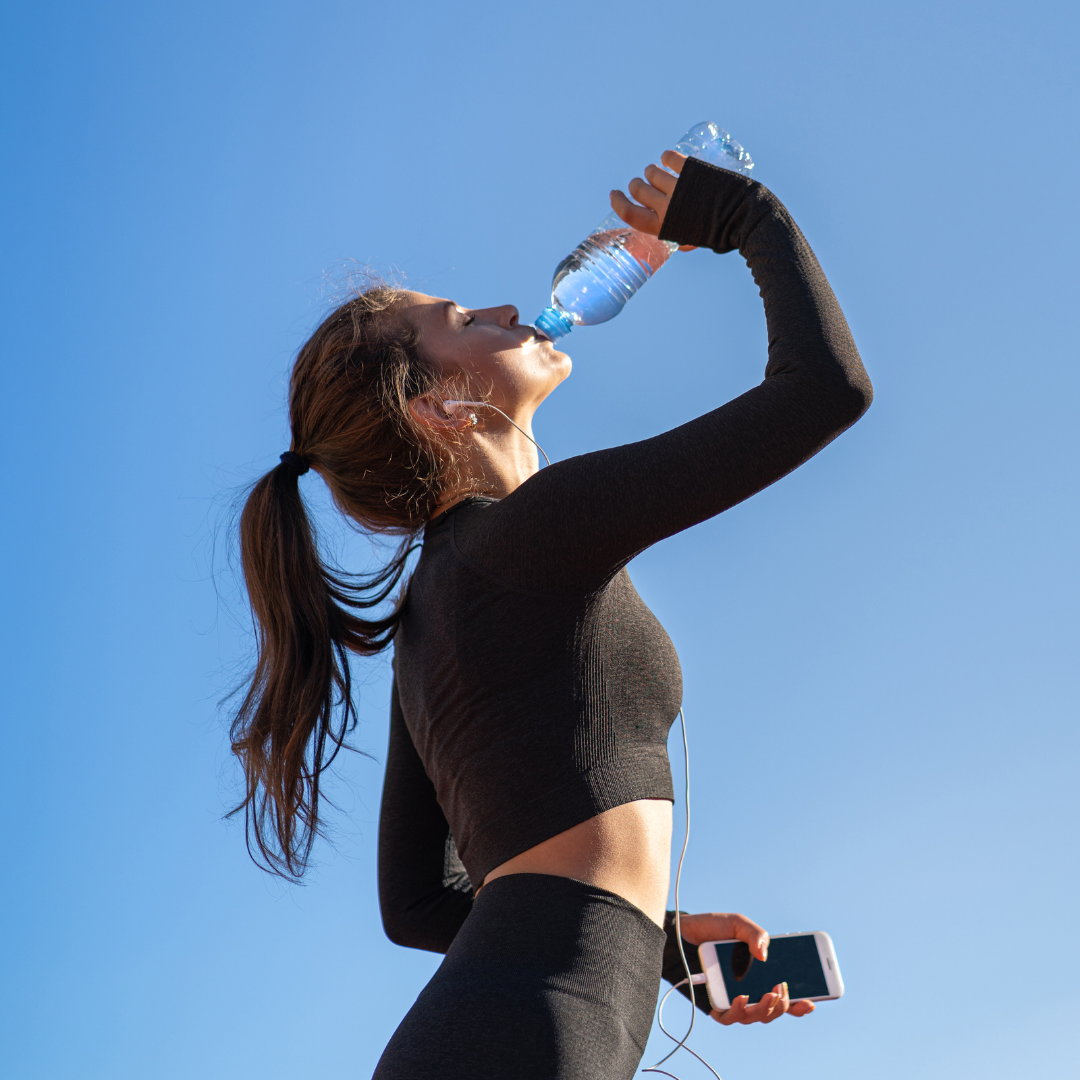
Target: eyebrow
(448, 306)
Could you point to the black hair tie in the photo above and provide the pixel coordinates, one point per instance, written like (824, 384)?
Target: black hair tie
(295, 462)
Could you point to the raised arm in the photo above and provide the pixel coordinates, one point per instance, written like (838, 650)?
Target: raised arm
(582, 519)
(424, 892)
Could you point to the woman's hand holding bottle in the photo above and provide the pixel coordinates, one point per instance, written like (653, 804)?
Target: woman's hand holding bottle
(653, 193)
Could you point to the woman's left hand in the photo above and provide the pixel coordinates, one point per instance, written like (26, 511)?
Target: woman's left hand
(719, 926)
(653, 193)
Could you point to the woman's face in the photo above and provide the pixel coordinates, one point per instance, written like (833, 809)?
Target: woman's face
(513, 365)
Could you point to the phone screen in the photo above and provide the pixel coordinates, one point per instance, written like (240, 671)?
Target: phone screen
(793, 960)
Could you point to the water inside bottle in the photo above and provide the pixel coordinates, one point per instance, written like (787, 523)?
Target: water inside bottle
(593, 283)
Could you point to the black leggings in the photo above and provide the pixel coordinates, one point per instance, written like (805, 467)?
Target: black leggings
(549, 979)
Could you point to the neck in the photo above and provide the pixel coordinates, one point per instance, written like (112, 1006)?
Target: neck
(499, 460)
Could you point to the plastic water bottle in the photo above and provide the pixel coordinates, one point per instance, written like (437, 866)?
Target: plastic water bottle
(593, 282)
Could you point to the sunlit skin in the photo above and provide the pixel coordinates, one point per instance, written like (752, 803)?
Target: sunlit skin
(489, 354)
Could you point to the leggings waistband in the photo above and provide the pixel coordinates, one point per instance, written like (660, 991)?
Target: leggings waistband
(550, 978)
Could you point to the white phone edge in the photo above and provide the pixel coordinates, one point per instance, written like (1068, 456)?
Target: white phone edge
(714, 980)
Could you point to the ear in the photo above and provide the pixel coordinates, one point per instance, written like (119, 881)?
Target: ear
(430, 411)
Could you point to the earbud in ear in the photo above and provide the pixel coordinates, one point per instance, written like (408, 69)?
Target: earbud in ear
(470, 416)
(473, 421)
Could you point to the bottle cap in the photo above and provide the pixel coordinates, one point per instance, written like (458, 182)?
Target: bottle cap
(554, 323)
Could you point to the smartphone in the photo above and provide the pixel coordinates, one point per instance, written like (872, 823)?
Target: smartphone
(806, 962)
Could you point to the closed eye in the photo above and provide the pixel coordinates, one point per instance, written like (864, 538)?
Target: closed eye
(450, 306)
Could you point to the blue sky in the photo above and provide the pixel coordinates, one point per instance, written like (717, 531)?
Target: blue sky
(878, 652)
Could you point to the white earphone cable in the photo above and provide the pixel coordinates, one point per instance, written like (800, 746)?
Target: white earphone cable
(488, 405)
(680, 1044)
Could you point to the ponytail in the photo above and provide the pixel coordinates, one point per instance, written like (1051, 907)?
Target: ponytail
(348, 406)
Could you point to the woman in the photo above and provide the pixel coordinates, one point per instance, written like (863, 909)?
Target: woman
(526, 819)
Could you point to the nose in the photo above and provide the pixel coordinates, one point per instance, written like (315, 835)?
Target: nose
(506, 316)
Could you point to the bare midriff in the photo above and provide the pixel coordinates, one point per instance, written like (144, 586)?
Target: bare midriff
(626, 850)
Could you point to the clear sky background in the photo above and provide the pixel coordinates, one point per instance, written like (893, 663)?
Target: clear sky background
(879, 652)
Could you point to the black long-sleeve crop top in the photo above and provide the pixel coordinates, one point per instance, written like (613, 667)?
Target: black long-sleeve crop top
(533, 688)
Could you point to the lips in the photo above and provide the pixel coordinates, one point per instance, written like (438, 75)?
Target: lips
(540, 335)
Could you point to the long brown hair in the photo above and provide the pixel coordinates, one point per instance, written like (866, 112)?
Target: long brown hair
(348, 410)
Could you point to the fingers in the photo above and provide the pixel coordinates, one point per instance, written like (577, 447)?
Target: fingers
(765, 1011)
(721, 926)
(637, 217)
(744, 929)
(779, 1005)
(802, 1007)
(673, 160)
(732, 1015)
(648, 196)
(660, 179)
(653, 195)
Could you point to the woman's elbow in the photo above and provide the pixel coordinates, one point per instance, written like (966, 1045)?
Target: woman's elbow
(401, 929)
(397, 933)
(412, 928)
(862, 395)
(852, 396)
